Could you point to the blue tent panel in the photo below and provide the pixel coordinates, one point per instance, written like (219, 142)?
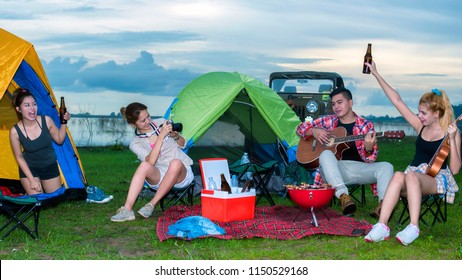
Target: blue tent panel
(26, 77)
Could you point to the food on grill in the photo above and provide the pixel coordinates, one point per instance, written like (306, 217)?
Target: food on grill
(306, 186)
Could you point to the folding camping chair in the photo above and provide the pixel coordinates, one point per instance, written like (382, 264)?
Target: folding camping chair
(173, 197)
(176, 195)
(352, 189)
(291, 172)
(261, 175)
(19, 209)
(434, 204)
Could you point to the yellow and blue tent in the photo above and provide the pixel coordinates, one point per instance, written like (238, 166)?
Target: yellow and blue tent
(20, 66)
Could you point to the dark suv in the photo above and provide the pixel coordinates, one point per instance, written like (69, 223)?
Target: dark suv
(307, 92)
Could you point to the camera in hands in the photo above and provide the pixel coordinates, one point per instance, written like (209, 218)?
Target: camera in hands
(178, 127)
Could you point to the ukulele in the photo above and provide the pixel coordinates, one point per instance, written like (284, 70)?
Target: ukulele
(309, 150)
(440, 155)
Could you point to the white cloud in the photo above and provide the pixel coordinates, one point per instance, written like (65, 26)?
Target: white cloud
(107, 102)
(97, 45)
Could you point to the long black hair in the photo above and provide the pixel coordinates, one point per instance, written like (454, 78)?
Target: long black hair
(18, 97)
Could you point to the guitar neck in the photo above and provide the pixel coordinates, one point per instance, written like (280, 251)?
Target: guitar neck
(446, 135)
(443, 143)
(351, 138)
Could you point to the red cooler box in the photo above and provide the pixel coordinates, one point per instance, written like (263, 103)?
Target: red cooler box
(224, 207)
(220, 205)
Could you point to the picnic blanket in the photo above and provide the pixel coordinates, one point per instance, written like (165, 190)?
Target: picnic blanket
(275, 222)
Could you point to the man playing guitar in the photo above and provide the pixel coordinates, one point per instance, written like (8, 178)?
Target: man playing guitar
(354, 164)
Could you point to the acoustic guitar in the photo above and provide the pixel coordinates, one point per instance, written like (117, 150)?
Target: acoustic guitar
(309, 150)
(434, 166)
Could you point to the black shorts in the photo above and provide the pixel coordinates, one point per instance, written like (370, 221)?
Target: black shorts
(43, 173)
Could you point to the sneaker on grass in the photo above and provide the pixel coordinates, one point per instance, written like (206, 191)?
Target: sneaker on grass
(408, 235)
(379, 232)
(123, 215)
(96, 195)
(146, 210)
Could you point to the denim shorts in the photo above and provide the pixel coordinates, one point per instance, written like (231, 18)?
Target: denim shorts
(43, 173)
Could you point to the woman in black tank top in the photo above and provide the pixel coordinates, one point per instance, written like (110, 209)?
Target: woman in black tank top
(434, 122)
(425, 150)
(31, 140)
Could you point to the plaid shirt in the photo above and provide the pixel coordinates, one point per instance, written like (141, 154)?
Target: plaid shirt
(329, 122)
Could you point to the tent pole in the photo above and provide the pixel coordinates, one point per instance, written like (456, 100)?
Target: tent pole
(251, 133)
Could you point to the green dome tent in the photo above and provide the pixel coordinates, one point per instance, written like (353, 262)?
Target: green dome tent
(262, 116)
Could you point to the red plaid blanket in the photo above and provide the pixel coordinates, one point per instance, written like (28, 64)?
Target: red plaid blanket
(276, 222)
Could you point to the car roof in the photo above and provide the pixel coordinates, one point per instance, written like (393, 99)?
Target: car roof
(304, 75)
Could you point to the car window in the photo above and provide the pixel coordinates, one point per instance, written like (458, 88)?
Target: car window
(300, 86)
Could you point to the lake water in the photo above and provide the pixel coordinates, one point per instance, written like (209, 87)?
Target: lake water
(99, 131)
(106, 131)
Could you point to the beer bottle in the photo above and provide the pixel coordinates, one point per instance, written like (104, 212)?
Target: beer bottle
(247, 185)
(224, 184)
(62, 111)
(367, 58)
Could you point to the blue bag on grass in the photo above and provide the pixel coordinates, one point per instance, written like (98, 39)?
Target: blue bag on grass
(194, 226)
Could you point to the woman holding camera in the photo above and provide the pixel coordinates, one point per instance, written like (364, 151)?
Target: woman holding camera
(163, 165)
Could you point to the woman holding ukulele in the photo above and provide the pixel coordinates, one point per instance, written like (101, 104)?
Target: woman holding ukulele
(434, 124)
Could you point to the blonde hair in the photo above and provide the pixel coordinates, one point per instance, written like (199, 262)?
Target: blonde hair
(438, 101)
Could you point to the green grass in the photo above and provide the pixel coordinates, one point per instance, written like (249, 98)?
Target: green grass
(78, 230)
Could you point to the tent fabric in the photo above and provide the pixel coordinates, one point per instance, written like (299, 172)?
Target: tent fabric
(257, 109)
(21, 67)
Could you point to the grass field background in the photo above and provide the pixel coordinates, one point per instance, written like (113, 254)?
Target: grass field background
(76, 230)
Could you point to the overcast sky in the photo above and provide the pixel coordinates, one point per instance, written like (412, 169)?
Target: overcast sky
(102, 55)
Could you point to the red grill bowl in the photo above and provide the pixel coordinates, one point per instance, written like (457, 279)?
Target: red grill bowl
(316, 198)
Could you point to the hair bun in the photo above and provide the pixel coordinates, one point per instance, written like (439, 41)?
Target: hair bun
(122, 111)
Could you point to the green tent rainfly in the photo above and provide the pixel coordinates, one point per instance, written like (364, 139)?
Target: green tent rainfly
(260, 113)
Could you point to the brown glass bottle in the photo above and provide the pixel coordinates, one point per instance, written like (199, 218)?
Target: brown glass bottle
(224, 184)
(367, 58)
(247, 185)
(62, 111)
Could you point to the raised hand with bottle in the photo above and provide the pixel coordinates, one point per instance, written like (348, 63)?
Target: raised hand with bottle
(367, 59)
(63, 114)
(31, 140)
